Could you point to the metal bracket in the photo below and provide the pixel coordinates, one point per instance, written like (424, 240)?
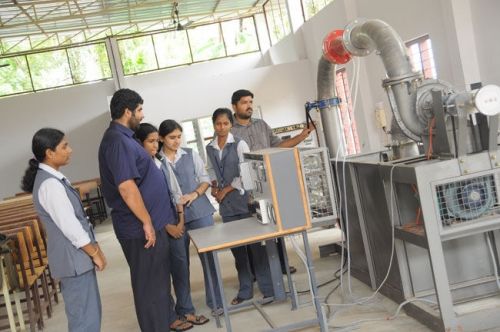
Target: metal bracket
(324, 103)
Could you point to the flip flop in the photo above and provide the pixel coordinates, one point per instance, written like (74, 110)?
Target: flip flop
(198, 320)
(179, 326)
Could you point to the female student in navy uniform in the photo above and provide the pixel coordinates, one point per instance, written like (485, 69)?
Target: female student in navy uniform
(148, 135)
(225, 153)
(72, 250)
(189, 181)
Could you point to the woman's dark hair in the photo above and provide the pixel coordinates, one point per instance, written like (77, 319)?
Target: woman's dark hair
(144, 130)
(45, 138)
(168, 126)
(222, 111)
(123, 99)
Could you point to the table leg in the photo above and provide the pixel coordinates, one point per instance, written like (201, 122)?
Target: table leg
(291, 287)
(221, 289)
(211, 286)
(275, 268)
(314, 288)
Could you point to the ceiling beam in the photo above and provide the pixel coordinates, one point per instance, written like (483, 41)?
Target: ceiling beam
(216, 6)
(25, 12)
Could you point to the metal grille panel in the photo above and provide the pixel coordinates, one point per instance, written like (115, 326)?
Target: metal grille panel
(318, 185)
(467, 199)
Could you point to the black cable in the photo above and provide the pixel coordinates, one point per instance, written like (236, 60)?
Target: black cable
(334, 288)
(323, 284)
(326, 301)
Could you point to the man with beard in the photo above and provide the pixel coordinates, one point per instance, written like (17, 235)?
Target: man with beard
(138, 194)
(259, 135)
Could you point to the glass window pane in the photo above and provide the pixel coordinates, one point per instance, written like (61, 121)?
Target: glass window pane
(206, 42)
(137, 54)
(206, 127)
(41, 41)
(49, 69)
(240, 36)
(14, 78)
(311, 7)
(67, 38)
(123, 29)
(15, 44)
(194, 146)
(94, 34)
(89, 63)
(172, 48)
(188, 131)
(277, 20)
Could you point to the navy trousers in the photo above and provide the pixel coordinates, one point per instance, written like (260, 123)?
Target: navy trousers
(260, 263)
(210, 268)
(179, 261)
(150, 276)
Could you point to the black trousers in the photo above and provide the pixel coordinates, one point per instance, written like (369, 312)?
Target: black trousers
(281, 254)
(150, 276)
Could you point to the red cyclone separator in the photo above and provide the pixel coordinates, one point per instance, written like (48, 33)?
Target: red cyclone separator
(333, 48)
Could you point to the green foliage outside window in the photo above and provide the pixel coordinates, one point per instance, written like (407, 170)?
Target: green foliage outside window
(54, 69)
(89, 63)
(240, 36)
(137, 54)
(172, 48)
(206, 42)
(312, 7)
(14, 78)
(49, 69)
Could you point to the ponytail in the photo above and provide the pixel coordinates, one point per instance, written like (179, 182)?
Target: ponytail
(29, 175)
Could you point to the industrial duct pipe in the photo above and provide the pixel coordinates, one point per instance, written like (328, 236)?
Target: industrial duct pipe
(362, 37)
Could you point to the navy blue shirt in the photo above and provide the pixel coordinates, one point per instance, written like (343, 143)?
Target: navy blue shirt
(122, 158)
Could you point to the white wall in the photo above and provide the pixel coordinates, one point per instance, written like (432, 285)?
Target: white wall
(197, 90)
(81, 112)
(180, 93)
(485, 15)
(282, 80)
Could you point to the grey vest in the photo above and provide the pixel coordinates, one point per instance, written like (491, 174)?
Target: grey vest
(226, 169)
(64, 259)
(186, 177)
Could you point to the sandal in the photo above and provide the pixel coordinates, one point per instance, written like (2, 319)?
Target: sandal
(179, 326)
(238, 300)
(217, 312)
(196, 320)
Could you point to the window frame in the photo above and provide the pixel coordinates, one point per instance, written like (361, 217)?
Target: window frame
(65, 49)
(419, 41)
(350, 136)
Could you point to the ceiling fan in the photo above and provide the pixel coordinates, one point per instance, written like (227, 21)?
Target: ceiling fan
(176, 20)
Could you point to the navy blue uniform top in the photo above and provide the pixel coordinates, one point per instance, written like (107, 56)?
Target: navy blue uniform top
(122, 158)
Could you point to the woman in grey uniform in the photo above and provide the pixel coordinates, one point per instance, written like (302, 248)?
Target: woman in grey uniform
(72, 250)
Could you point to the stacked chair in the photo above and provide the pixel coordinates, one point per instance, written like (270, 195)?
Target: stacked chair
(20, 223)
(92, 199)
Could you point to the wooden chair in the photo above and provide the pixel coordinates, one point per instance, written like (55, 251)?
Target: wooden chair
(28, 276)
(7, 287)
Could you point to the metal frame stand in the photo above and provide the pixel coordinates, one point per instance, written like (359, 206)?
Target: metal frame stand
(274, 261)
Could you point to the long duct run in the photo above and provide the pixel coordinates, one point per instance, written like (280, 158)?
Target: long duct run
(326, 90)
(361, 38)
